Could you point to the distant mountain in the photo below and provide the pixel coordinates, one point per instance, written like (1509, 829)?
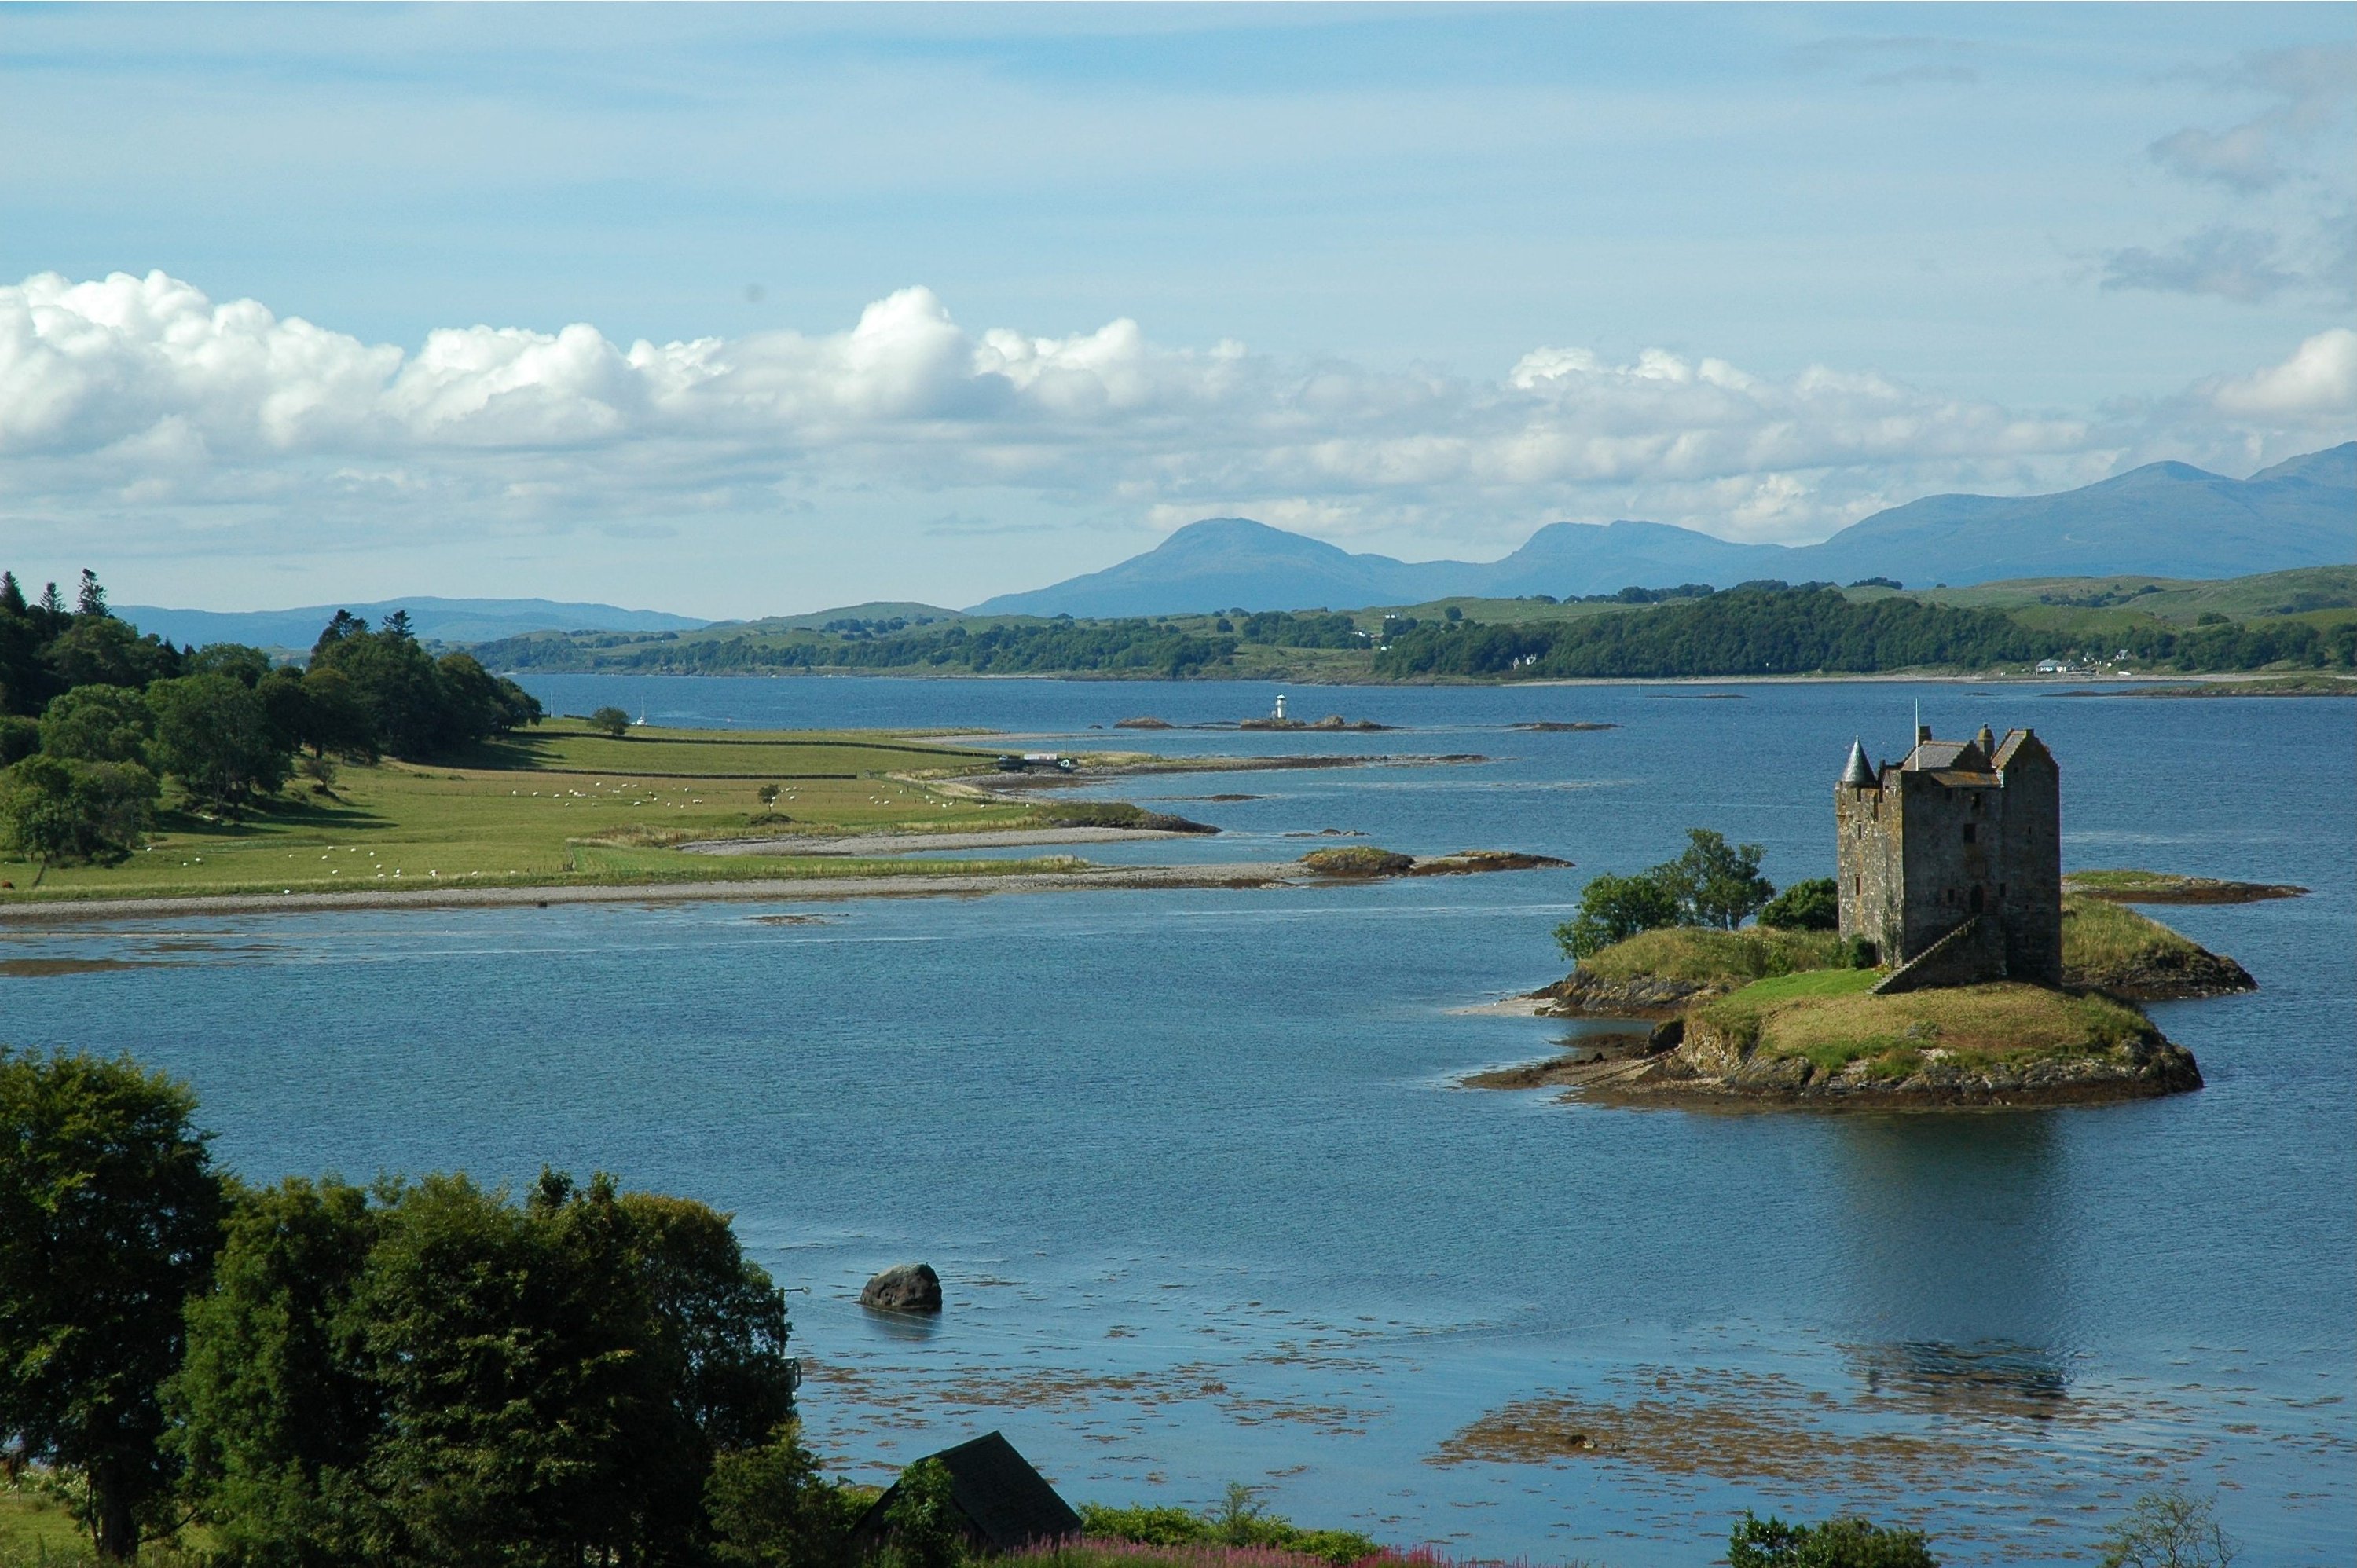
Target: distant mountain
(1227, 562)
(436, 620)
(2166, 519)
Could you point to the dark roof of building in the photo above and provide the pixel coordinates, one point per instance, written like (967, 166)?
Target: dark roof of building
(1007, 1505)
(2019, 743)
(1858, 771)
(1946, 757)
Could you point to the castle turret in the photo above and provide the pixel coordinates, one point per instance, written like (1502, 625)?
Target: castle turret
(1859, 772)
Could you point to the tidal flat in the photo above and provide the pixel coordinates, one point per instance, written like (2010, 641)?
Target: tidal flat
(1208, 1206)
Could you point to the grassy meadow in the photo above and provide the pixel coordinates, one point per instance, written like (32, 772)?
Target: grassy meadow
(564, 804)
(1829, 1020)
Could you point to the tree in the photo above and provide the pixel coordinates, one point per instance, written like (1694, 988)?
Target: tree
(921, 1522)
(1811, 905)
(98, 724)
(58, 811)
(612, 720)
(332, 718)
(272, 1422)
(247, 663)
(214, 734)
(425, 1373)
(2169, 1529)
(110, 1213)
(771, 1508)
(19, 737)
(1771, 1542)
(99, 650)
(91, 600)
(1614, 908)
(1715, 883)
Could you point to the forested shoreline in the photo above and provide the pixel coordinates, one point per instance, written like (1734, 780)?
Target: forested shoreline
(1759, 629)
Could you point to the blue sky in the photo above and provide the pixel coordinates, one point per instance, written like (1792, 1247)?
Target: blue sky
(742, 309)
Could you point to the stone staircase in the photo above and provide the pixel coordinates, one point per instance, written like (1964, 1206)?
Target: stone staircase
(1972, 950)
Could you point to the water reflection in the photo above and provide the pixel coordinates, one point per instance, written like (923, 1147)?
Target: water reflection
(1993, 1380)
(1955, 1229)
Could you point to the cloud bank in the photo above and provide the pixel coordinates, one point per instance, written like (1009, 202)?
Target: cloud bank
(142, 401)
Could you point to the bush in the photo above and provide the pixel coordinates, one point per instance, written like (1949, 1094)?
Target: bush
(772, 1508)
(1811, 905)
(1713, 884)
(921, 1522)
(2169, 1529)
(1241, 1520)
(1770, 1542)
(1614, 908)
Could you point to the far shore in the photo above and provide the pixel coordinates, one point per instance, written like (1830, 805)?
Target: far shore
(776, 889)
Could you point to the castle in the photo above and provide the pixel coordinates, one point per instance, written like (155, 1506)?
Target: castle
(1951, 860)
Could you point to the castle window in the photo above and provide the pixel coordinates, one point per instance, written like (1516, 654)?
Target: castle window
(1977, 900)
(1971, 828)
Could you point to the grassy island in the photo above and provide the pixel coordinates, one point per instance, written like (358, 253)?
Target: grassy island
(1764, 1015)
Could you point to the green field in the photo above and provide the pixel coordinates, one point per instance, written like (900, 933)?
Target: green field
(562, 804)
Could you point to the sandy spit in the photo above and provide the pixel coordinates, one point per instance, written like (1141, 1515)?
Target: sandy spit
(1240, 874)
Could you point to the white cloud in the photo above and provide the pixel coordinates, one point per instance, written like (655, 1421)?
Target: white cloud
(141, 401)
(2318, 383)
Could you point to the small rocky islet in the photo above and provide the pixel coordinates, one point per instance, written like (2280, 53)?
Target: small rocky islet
(1764, 1018)
(1965, 970)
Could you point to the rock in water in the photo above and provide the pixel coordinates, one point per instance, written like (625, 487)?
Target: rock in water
(905, 1287)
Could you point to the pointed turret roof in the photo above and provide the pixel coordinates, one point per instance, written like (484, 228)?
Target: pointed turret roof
(1858, 771)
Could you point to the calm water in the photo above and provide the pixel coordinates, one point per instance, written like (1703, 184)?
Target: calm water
(1209, 1209)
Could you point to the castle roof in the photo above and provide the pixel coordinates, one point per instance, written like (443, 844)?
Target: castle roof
(2017, 743)
(1858, 771)
(1946, 757)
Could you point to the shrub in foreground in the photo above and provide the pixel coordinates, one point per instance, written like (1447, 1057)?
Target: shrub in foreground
(1770, 1542)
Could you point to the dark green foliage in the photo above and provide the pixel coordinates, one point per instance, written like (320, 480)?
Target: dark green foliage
(2169, 1529)
(249, 665)
(99, 650)
(1614, 908)
(1291, 629)
(771, 1508)
(1239, 1519)
(274, 1427)
(110, 1213)
(921, 1524)
(98, 724)
(428, 1374)
(1133, 647)
(59, 811)
(1811, 905)
(612, 720)
(414, 705)
(19, 737)
(1715, 883)
(1837, 1544)
(1750, 630)
(45, 648)
(213, 733)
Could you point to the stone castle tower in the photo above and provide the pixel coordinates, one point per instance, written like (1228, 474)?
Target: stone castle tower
(1957, 846)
